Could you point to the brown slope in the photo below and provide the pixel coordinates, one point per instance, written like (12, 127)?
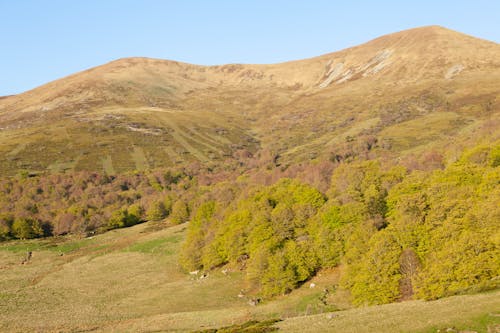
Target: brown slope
(206, 113)
(407, 56)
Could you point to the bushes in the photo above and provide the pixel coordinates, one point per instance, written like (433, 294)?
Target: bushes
(83, 201)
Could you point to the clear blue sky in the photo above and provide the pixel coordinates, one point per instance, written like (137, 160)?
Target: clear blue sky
(42, 40)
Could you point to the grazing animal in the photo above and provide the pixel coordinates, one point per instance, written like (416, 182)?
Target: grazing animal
(254, 301)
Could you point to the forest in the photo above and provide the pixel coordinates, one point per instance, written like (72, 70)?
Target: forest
(395, 232)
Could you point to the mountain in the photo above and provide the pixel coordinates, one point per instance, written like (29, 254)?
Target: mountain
(395, 96)
(361, 177)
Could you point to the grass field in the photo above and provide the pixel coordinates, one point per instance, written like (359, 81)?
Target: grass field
(479, 313)
(117, 139)
(128, 280)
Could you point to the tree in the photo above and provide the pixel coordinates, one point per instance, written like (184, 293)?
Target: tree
(63, 223)
(118, 219)
(180, 212)
(376, 279)
(135, 213)
(196, 252)
(261, 232)
(125, 217)
(156, 211)
(24, 228)
(278, 278)
(409, 265)
(6, 221)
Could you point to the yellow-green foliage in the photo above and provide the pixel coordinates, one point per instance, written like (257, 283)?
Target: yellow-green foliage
(330, 229)
(156, 211)
(24, 228)
(267, 231)
(191, 256)
(125, 217)
(494, 157)
(180, 212)
(463, 224)
(450, 218)
(6, 221)
(376, 277)
(424, 234)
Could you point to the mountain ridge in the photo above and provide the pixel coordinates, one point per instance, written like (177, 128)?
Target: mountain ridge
(403, 37)
(209, 113)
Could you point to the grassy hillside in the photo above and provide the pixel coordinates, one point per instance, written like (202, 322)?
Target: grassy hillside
(476, 313)
(128, 280)
(376, 99)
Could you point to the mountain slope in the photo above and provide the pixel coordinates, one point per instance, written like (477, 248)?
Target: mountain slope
(138, 113)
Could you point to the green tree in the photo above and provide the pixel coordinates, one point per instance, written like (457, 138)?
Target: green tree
(331, 229)
(6, 222)
(180, 212)
(118, 219)
(156, 211)
(195, 250)
(261, 232)
(24, 228)
(278, 278)
(135, 213)
(168, 203)
(375, 280)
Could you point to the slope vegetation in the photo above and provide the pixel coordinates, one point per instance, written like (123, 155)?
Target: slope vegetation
(375, 98)
(357, 178)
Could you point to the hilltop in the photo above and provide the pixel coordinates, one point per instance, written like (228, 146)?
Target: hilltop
(140, 113)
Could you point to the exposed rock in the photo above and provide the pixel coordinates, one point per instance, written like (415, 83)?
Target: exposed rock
(454, 71)
(332, 74)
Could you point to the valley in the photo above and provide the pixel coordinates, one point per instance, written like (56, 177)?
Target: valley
(356, 191)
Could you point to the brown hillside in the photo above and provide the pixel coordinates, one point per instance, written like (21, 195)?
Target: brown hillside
(137, 113)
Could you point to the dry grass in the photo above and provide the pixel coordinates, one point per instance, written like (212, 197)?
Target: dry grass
(128, 280)
(420, 131)
(139, 113)
(473, 312)
(125, 280)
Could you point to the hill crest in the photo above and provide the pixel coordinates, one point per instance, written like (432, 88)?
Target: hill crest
(209, 113)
